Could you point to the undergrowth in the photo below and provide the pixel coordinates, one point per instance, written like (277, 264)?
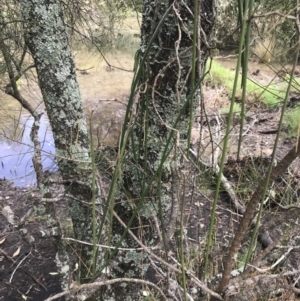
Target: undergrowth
(246, 175)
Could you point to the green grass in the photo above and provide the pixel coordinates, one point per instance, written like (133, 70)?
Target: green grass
(220, 76)
(236, 109)
(292, 120)
(295, 83)
(270, 95)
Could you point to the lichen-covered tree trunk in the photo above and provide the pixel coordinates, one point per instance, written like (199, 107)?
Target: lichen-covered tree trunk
(151, 172)
(46, 38)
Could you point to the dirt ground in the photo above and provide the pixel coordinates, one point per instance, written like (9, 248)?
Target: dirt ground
(27, 252)
(27, 267)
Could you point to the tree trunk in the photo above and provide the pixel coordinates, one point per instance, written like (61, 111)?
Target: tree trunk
(149, 189)
(151, 177)
(46, 38)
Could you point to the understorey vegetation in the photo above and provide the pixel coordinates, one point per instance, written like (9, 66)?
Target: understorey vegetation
(183, 187)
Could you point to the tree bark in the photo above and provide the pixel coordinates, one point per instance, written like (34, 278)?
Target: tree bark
(46, 38)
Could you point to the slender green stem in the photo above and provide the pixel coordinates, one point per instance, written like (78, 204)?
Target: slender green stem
(249, 8)
(194, 69)
(94, 221)
(224, 152)
(181, 249)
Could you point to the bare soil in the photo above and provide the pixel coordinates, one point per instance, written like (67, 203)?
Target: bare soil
(27, 253)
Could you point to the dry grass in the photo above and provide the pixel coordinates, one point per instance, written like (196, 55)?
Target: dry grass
(264, 50)
(216, 97)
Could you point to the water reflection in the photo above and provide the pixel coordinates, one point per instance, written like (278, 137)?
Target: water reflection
(16, 156)
(98, 89)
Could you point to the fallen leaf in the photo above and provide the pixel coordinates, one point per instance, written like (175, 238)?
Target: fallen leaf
(268, 151)
(17, 252)
(2, 240)
(9, 214)
(272, 193)
(53, 273)
(146, 293)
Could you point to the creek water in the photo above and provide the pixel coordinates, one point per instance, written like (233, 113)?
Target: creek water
(16, 155)
(103, 90)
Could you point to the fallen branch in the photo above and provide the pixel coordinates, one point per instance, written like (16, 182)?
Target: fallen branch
(255, 287)
(94, 285)
(12, 275)
(225, 183)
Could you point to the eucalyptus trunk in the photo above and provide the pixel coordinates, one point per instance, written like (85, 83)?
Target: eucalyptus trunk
(47, 40)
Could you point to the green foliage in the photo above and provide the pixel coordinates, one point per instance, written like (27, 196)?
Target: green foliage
(280, 29)
(226, 21)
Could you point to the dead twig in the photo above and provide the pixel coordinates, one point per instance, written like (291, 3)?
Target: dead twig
(12, 275)
(193, 279)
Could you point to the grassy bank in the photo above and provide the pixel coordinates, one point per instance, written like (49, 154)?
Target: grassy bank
(270, 95)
